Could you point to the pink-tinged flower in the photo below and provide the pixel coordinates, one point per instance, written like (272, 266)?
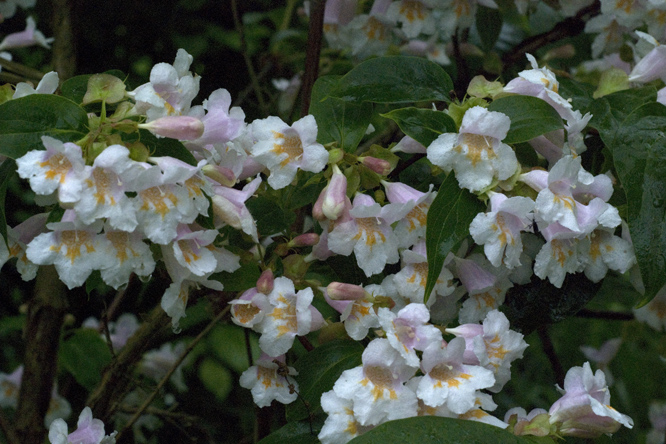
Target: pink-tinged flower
(557, 257)
(221, 123)
(88, 431)
(416, 17)
(368, 234)
(125, 253)
(408, 331)
(410, 281)
(291, 315)
(47, 85)
(357, 311)
(60, 167)
(492, 345)
(175, 127)
(584, 409)
(229, 207)
(285, 149)
(412, 227)
(341, 425)
(499, 230)
(18, 239)
(654, 312)
(483, 402)
(377, 388)
(267, 381)
(75, 250)
(447, 380)
(250, 309)
(370, 34)
(434, 51)
(657, 415)
(486, 286)
(333, 200)
(409, 145)
(119, 331)
(602, 250)
(603, 356)
(157, 363)
(610, 34)
(29, 37)
(476, 154)
(170, 91)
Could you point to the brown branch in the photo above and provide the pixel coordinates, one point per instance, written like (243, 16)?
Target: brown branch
(8, 429)
(64, 44)
(312, 53)
(46, 313)
(566, 28)
(117, 377)
(23, 72)
(171, 371)
(549, 349)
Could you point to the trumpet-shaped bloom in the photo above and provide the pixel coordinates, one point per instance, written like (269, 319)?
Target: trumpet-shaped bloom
(284, 149)
(28, 37)
(341, 425)
(476, 154)
(125, 253)
(270, 380)
(88, 431)
(584, 409)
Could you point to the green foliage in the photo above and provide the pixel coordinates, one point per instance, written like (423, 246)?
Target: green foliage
(227, 341)
(165, 146)
(447, 225)
(638, 148)
(240, 280)
(530, 117)
(84, 354)
(7, 172)
(296, 432)
(489, 24)
(422, 125)
(438, 430)
(338, 120)
(317, 372)
(216, 378)
(24, 121)
(394, 79)
(271, 218)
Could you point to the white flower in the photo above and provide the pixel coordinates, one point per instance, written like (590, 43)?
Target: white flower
(267, 381)
(476, 154)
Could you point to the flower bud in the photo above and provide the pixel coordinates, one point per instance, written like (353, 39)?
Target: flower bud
(335, 155)
(176, 127)
(333, 203)
(295, 266)
(340, 291)
(379, 166)
(304, 240)
(265, 282)
(223, 176)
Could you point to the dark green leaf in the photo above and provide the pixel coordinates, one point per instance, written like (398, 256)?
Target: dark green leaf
(489, 25)
(75, 88)
(240, 280)
(422, 125)
(165, 146)
(447, 225)
(24, 121)
(608, 112)
(228, 344)
(7, 171)
(216, 378)
(638, 145)
(395, 79)
(293, 433)
(84, 355)
(530, 117)
(271, 218)
(438, 430)
(579, 93)
(338, 120)
(317, 372)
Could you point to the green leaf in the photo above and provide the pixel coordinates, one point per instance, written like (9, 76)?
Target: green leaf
(438, 430)
(240, 280)
(24, 121)
(422, 125)
(228, 344)
(447, 225)
(293, 433)
(338, 120)
(7, 172)
(165, 146)
(638, 146)
(84, 355)
(271, 218)
(317, 372)
(489, 25)
(530, 117)
(395, 79)
(216, 378)
(608, 112)
(75, 88)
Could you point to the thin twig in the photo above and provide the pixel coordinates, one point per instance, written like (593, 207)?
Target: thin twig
(21, 70)
(549, 349)
(566, 28)
(312, 52)
(171, 371)
(238, 23)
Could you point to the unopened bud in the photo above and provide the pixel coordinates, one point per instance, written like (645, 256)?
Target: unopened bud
(379, 166)
(222, 175)
(304, 240)
(335, 155)
(265, 282)
(339, 291)
(331, 332)
(176, 127)
(317, 211)
(138, 152)
(334, 195)
(295, 266)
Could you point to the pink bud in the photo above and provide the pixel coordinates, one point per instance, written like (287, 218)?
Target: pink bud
(222, 175)
(176, 127)
(335, 195)
(340, 291)
(317, 211)
(304, 240)
(379, 166)
(265, 282)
